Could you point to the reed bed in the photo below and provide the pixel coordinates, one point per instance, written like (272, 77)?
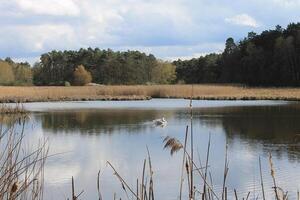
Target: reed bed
(143, 92)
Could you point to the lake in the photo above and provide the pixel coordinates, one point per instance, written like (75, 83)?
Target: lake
(88, 134)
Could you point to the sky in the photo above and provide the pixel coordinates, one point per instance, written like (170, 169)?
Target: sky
(169, 29)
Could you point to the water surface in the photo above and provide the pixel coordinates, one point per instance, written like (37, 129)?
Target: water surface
(91, 133)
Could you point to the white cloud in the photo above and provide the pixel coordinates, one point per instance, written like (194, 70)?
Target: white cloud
(242, 20)
(37, 38)
(129, 22)
(49, 7)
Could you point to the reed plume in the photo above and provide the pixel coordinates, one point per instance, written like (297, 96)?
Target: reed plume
(173, 144)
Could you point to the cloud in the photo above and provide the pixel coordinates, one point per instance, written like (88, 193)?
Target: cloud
(35, 38)
(49, 7)
(183, 52)
(242, 20)
(165, 28)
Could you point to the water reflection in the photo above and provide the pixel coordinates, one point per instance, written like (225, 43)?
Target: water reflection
(277, 128)
(268, 125)
(101, 121)
(93, 136)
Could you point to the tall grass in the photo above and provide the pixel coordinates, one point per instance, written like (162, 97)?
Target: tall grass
(140, 92)
(21, 170)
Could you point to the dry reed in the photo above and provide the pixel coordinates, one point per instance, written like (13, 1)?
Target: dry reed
(142, 92)
(21, 171)
(146, 187)
(173, 144)
(12, 109)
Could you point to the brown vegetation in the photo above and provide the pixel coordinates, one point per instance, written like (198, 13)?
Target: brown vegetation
(142, 92)
(81, 76)
(12, 73)
(6, 73)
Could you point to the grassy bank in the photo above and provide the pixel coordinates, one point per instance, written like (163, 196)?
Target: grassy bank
(142, 92)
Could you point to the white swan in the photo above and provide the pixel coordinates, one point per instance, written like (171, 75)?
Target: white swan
(160, 122)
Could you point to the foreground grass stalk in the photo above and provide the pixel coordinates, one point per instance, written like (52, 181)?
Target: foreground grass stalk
(74, 196)
(224, 190)
(192, 148)
(73, 190)
(183, 159)
(206, 166)
(98, 186)
(123, 182)
(261, 180)
(273, 176)
(151, 185)
(143, 176)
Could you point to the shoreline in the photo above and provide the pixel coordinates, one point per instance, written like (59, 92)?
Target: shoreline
(145, 98)
(66, 99)
(12, 94)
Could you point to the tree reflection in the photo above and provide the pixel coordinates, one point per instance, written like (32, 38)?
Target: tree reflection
(99, 121)
(276, 128)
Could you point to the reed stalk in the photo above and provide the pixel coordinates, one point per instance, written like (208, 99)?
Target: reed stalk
(206, 167)
(224, 188)
(273, 176)
(192, 147)
(183, 159)
(261, 180)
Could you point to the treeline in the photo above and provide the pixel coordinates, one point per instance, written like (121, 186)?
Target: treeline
(271, 58)
(104, 66)
(13, 73)
(88, 65)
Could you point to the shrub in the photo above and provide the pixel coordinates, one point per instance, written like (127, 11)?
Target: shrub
(81, 76)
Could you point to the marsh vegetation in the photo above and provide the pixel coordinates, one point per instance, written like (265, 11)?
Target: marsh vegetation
(143, 92)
